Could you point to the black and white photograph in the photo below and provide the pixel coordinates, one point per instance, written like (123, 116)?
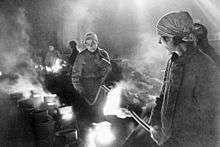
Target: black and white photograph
(109, 73)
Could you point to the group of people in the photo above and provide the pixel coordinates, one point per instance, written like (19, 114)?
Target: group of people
(187, 112)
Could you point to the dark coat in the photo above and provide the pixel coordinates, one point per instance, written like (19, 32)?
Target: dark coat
(73, 56)
(209, 50)
(139, 137)
(188, 107)
(89, 72)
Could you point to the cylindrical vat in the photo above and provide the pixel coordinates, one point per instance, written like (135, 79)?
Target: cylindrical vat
(45, 133)
(15, 97)
(41, 116)
(65, 110)
(25, 104)
(65, 137)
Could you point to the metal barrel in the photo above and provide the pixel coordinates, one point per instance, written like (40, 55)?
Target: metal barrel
(15, 97)
(44, 132)
(66, 137)
(44, 126)
(25, 104)
(41, 116)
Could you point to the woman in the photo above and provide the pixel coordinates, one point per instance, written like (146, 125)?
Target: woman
(187, 112)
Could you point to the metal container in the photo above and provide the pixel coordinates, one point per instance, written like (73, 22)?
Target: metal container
(45, 133)
(25, 104)
(15, 97)
(50, 98)
(67, 136)
(65, 110)
(41, 116)
(37, 101)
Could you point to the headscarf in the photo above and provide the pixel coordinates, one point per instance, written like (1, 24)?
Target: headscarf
(177, 24)
(91, 35)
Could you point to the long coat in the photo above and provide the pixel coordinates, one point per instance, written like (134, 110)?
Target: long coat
(188, 108)
(89, 72)
(210, 51)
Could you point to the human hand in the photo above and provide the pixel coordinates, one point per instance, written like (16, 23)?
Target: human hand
(157, 135)
(123, 113)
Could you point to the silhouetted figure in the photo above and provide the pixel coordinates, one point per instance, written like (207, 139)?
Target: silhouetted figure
(203, 43)
(74, 53)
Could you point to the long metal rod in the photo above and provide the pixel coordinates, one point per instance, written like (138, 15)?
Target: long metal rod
(134, 115)
(140, 121)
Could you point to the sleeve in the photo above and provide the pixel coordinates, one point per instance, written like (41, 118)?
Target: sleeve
(105, 64)
(77, 73)
(155, 118)
(105, 55)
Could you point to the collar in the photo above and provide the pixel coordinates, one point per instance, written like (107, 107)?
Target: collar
(185, 57)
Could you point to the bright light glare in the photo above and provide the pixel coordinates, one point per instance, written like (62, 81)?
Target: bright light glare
(67, 116)
(113, 101)
(139, 3)
(112, 105)
(66, 110)
(91, 139)
(56, 67)
(104, 133)
(100, 134)
(50, 103)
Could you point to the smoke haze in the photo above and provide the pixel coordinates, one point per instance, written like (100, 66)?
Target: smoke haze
(15, 53)
(125, 29)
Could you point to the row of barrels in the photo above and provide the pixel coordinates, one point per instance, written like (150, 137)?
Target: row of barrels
(46, 122)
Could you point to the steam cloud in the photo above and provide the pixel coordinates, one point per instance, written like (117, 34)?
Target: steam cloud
(15, 57)
(125, 29)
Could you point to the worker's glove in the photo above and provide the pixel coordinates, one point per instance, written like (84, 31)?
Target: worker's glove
(157, 135)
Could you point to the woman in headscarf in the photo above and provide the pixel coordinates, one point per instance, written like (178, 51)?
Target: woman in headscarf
(187, 112)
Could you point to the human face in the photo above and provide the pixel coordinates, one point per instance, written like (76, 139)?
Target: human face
(51, 48)
(91, 45)
(167, 42)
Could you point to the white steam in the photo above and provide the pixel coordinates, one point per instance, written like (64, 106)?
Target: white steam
(13, 39)
(77, 20)
(151, 57)
(16, 63)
